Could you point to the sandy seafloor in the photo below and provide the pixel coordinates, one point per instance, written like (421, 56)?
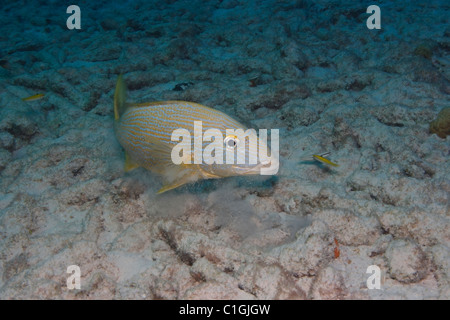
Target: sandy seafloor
(310, 68)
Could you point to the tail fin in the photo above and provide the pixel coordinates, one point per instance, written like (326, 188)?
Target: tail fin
(119, 97)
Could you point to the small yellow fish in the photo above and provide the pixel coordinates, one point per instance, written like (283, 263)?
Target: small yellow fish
(34, 97)
(144, 130)
(321, 158)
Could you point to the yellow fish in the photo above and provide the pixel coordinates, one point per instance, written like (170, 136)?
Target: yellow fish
(34, 97)
(321, 158)
(145, 130)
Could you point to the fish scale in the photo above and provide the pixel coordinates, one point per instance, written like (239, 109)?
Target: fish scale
(159, 124)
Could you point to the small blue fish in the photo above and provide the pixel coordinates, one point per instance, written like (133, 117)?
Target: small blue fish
(34, 97)
(321, 158)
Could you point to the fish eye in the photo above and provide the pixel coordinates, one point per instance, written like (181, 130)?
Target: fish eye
(231, 142)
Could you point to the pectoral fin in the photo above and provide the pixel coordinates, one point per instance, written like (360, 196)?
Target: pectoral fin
(168, 187)
(176, 177)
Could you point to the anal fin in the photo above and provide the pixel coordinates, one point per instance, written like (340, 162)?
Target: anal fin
(129, 163)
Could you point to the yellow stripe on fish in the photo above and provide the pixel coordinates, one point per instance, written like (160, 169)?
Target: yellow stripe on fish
(144, 130)
(324, 160)
(34, 97)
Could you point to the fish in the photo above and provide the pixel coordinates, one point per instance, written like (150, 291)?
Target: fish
(144, 130)
(34, 97)
(321, 158)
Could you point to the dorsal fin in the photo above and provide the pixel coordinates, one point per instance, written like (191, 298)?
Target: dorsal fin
(119, 98)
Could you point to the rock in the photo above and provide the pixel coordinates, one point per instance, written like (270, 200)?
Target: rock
(312, 249)
(5, 158)
(347, 61)
(320, 73)
(109, 24)
(294, 55)
(351, 229)
(6, 141)
(329, 285)
(294, 114)
(407, 262)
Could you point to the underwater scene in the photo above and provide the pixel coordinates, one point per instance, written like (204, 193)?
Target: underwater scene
(225, 149)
